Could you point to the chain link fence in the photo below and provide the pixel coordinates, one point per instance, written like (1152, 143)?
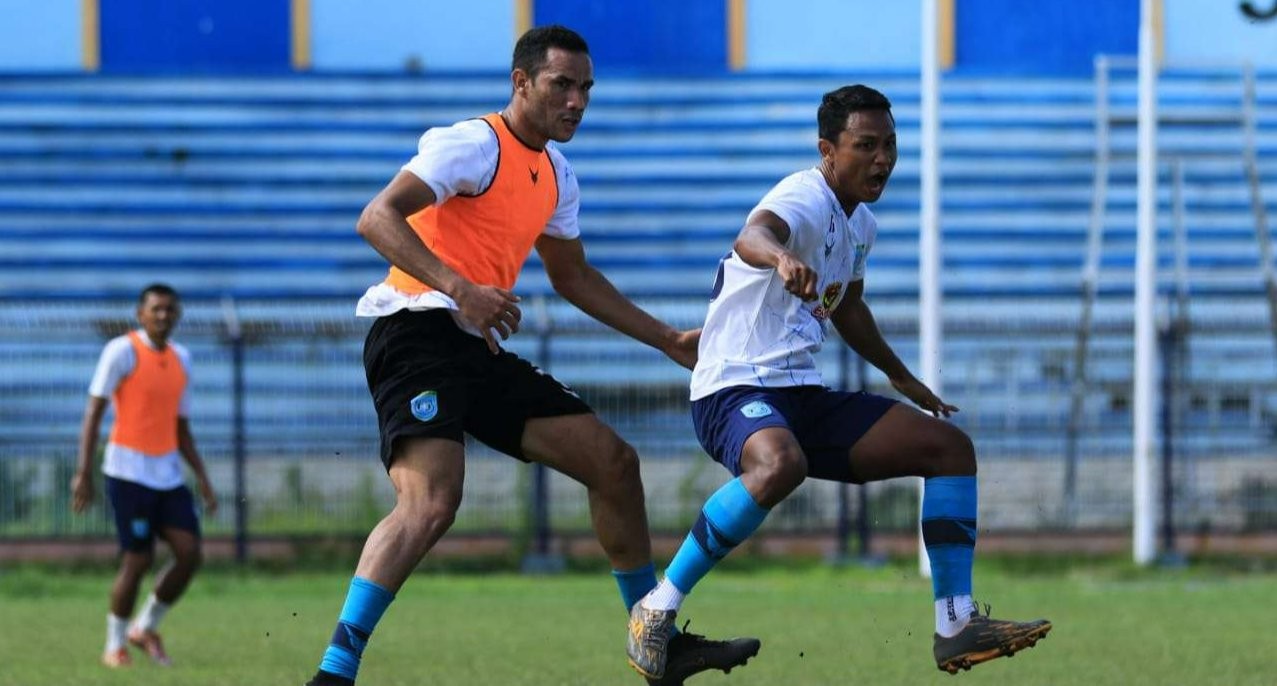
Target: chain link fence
(302, 421)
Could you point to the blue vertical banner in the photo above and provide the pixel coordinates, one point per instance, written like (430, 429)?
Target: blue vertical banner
(687, 37)
(1043, 36)
(195, 36)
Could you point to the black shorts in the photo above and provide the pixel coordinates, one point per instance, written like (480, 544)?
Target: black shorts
(428, 378)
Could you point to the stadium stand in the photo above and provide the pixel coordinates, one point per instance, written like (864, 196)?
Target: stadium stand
(248, 188)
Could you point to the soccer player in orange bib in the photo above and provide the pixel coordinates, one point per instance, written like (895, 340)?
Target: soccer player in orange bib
(457, 224)
(148, 376)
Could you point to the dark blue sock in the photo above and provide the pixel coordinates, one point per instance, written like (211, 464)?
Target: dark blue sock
(949, 532)
(635, 583)
(726, 520)
(365, 603)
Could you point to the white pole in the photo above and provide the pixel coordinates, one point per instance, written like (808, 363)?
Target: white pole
(1145, 496)
(929, 329)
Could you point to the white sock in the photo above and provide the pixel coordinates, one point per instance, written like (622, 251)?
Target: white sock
(116, 632)
(953, 613)
(665, 596)
(152, 612)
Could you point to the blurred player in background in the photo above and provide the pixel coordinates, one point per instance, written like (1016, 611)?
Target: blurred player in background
(148, 376)
(457, 224)
(762, 411)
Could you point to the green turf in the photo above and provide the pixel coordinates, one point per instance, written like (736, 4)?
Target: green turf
(818, 626)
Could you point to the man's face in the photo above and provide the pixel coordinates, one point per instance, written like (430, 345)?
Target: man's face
(557, 97)
(158, 314)
(864, 156)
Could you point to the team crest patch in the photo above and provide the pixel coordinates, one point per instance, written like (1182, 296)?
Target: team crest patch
(141, 528)
(756, 409)
(425, 406)
(825, 308)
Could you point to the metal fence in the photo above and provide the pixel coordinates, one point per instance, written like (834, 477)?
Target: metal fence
(280, 385)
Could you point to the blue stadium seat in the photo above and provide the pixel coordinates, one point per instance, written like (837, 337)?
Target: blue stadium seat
(250, 187)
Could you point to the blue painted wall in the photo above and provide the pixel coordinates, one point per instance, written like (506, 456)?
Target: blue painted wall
(195, 35)
(386, 35)
(629, 36)
(1218, 31)
(40, 35)
(1043, 36)
(832, 34)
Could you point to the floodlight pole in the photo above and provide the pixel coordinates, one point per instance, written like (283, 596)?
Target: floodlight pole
(1146, 354)
(930, 338)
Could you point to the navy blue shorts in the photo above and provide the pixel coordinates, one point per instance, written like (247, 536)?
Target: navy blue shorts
(827, 423)
(141, 511)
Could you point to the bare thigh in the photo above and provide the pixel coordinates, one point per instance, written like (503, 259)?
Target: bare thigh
(578, 445)
(906, 442)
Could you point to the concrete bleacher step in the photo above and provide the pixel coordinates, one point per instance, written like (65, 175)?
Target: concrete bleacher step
(687, 157)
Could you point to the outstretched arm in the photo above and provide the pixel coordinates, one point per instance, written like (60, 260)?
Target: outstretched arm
(585, 287)
(384, 224)
(762, 244)
(82, 482)
(186, 446)
(857, 326)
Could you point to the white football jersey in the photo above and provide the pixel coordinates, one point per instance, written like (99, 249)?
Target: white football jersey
(758, 334)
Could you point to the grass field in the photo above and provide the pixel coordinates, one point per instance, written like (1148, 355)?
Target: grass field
(819, 625)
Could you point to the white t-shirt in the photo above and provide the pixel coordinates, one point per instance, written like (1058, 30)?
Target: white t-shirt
(117, 362)
(758, 334)
(462, 160)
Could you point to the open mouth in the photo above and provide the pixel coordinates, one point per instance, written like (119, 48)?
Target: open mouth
(878, 181)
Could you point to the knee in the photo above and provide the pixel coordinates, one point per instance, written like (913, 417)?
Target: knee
(190, 557)
(776, 474)
(423, 515)
(137, 564)
(956, 453)
(619, 470)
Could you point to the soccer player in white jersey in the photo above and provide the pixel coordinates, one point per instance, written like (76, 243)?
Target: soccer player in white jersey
(148, 376)
(762, 411)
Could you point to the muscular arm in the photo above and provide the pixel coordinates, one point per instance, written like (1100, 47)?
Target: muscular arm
(384, 224)
(855, 322)
(82, 483)
(186, 446)
(762, 244)
(588, 289)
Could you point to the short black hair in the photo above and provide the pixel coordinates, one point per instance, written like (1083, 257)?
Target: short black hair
(161, 289)
(837, 106)
(530, 51)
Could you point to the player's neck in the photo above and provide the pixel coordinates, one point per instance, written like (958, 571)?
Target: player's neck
(848, 205)
(156, 342)
(521, 130)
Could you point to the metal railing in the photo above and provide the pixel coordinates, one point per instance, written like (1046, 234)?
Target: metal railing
(282, 417)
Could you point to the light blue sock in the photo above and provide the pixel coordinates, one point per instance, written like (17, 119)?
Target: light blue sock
(949, 532)
(365, 603)
(726, 520)
(635, 583)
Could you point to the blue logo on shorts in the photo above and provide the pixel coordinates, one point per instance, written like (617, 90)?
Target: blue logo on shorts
(141, 528)
(756, 409)
(425, 406)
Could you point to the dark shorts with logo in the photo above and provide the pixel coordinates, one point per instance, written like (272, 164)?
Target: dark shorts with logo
(428, 378)
(827, 423)
(141, 511)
